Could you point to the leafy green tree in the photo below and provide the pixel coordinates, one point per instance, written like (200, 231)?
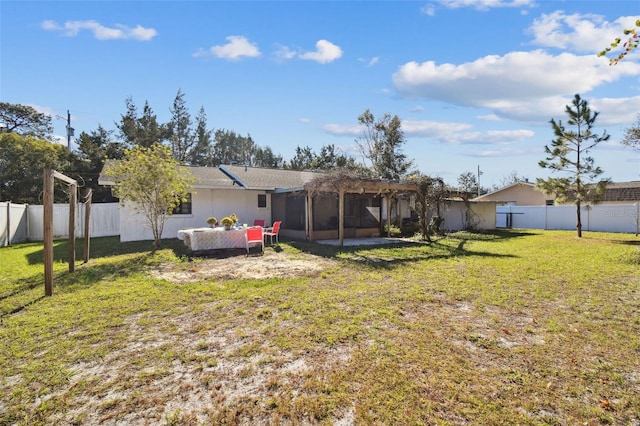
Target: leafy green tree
(628, 45)
(264, 157)
(231, 148)
(25, 120)
(468, 188)
(467, 185)
(149, 179)
(22, 161)
(141, 130)
(632, 135)
(303, 159)
(307, 159)
(431, 193)
(569, 154)
(202, 152)
(181, 138)
(381, 143)
(94, 149)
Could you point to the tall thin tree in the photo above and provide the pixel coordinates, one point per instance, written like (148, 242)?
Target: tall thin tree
(569, 154)
(181, 137)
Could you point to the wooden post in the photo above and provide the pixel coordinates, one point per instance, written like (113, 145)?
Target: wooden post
(87, 228)
(387, 197)
(341, 216)
(73, 201)
(48, 231)
(310, 216)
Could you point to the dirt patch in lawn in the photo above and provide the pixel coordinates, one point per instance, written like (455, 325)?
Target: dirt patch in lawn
(235, 264)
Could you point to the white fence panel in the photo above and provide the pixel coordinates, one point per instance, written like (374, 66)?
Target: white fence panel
(564, 217)
(614, 217)
(13, 223)
(104, 221)
(599, 217)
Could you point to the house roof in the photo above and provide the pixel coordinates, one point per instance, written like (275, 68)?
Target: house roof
(264, 179)
(205, 177)
(622, 191)
(210, 177)
(616, 191)
(268, 179)
(489, 194)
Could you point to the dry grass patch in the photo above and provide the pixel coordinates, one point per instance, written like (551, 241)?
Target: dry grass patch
(516, 327)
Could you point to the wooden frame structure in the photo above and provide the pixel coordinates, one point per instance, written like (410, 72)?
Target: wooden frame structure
(48, 181)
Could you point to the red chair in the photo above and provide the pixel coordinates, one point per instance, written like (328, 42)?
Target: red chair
(273, 232)
(254, 236)
(258, 222)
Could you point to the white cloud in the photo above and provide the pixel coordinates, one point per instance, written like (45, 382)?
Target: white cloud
(370, 62)
(343, 129)
(486, 4)
(236, 48)
(461, 134)
(577, 32)
(489, 117)
(434, 129)
(284, 53)
(100, 32)
(521, 85)
(429, 10)
(325, 52)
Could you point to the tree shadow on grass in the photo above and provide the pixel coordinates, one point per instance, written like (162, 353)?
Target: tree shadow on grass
(390, 256)
(29, 290)
(105, 247)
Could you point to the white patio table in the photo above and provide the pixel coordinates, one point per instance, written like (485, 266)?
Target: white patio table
(213, 238)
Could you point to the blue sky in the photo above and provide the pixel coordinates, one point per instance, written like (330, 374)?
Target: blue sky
(475, 83)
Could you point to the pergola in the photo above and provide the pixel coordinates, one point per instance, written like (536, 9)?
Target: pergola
(343, 184)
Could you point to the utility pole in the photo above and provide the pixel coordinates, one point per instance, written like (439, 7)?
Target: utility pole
(69, 131)
(479, 173)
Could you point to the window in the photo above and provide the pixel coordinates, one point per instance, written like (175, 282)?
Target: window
(550, 203)
(262, 201)
(184, 207)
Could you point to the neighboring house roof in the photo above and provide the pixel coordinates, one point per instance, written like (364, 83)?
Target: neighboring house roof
(516, 184)
(622, 191)
(615, 192)
(268, 179)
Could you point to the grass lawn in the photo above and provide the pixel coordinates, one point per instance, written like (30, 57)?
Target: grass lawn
(515, 327)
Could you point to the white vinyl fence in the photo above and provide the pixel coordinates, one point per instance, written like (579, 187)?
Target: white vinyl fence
(13, 223)
(23, 222)
(599, 217)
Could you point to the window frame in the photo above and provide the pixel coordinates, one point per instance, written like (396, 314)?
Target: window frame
(264, 196)
(179, 210)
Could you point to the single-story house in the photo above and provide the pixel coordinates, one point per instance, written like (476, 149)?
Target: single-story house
(518, 194)
(310, 205)
(525, 194)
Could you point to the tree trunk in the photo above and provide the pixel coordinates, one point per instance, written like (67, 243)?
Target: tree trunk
(579, 224)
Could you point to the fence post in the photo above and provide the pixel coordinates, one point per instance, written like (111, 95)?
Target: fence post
(48, 231)
(8, 242)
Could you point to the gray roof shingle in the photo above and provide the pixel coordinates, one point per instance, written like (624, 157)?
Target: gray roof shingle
(622, 191)
(268, 179)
